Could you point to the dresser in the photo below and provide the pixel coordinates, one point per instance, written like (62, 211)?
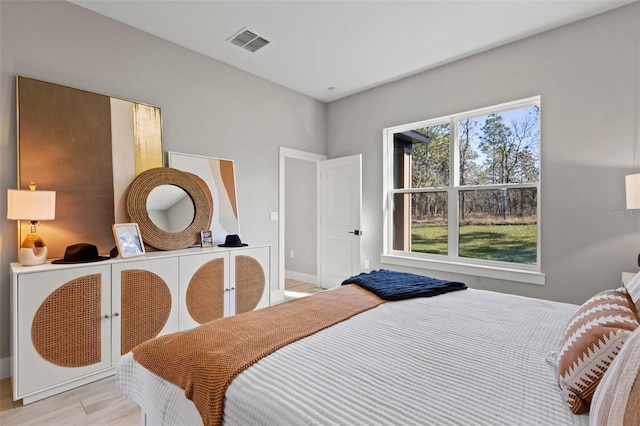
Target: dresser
(71, 323)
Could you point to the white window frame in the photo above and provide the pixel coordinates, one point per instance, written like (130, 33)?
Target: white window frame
(452, 263)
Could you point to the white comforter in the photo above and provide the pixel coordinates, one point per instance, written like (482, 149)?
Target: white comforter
(464, 358)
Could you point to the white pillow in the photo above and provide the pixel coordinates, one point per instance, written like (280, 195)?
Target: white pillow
(633, 288)
(616, 401)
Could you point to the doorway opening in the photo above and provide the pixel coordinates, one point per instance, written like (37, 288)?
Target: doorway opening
(299, 215)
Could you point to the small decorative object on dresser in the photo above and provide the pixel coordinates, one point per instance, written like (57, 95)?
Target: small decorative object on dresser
(206, 237)
(80, 253)
(33, 206)
(233, 240)
(127, 236)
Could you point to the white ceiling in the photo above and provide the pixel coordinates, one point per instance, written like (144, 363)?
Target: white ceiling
(349, 45)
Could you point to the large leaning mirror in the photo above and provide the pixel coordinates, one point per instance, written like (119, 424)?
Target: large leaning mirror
(171, 208)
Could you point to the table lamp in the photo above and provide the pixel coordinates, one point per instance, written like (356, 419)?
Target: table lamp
(633, 191)
(33, 206)
(632, 185)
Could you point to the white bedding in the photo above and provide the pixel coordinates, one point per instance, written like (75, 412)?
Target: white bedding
(468, 357)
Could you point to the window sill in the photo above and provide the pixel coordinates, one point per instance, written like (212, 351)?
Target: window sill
(518, 275)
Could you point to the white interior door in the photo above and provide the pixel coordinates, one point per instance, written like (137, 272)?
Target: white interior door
(341, 210)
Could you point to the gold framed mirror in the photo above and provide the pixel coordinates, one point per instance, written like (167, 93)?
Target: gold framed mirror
(190, 192)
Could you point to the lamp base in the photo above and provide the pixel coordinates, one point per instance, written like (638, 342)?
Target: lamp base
(33, 256)
(32, 240)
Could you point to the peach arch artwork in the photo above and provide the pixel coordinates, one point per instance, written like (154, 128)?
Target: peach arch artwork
(219, 176)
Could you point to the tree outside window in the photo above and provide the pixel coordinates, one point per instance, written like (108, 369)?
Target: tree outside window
(466, 186)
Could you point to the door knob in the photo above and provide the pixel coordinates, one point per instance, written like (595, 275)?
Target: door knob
(357, 232)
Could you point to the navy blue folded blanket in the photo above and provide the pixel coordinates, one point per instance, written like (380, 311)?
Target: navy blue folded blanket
(393, 285)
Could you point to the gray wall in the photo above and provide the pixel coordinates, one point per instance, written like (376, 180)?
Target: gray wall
(208, 108)
(301, 216)
(588, 75)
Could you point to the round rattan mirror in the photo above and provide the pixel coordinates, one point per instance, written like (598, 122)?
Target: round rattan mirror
(170, 208)
(136, 207)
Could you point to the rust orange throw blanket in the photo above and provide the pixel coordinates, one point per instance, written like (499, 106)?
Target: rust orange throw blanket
(205, 360)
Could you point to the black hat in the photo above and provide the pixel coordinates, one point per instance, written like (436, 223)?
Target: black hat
(81, 253)
(232, 240)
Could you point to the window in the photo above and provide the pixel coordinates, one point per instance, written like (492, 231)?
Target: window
(462, 191)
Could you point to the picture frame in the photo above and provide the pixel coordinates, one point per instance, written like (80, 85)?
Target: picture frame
(128, 239)
(206, 238)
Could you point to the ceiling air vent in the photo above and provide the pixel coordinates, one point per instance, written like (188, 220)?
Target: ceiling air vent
(248, 40)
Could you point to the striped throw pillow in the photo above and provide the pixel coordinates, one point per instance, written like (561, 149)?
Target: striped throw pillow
(617, 398)
(594, 336)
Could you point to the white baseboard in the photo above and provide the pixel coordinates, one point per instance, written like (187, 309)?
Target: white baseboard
(5, 367)
(300, 276)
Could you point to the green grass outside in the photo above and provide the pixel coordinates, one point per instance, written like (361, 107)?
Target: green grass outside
(506, 243)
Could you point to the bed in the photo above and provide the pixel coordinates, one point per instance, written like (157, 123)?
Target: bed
(466, 357)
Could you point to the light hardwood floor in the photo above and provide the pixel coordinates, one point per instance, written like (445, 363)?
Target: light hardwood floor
(98, 403)
(294, 289)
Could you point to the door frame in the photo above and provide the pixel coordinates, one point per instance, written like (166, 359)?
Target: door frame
(277, 295)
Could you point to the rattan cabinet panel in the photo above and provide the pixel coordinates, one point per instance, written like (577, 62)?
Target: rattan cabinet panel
(145, 295)
(204, 288)
(62, 334)
(205, 292)
(250, 278)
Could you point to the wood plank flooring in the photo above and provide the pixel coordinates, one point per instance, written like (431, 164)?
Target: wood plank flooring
(98, 403)
(294, 289)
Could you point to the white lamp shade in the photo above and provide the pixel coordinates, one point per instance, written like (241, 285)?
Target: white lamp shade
(31, 205)
(632, 184)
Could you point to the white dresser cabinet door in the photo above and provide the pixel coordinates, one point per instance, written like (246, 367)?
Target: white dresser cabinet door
(62, 333)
